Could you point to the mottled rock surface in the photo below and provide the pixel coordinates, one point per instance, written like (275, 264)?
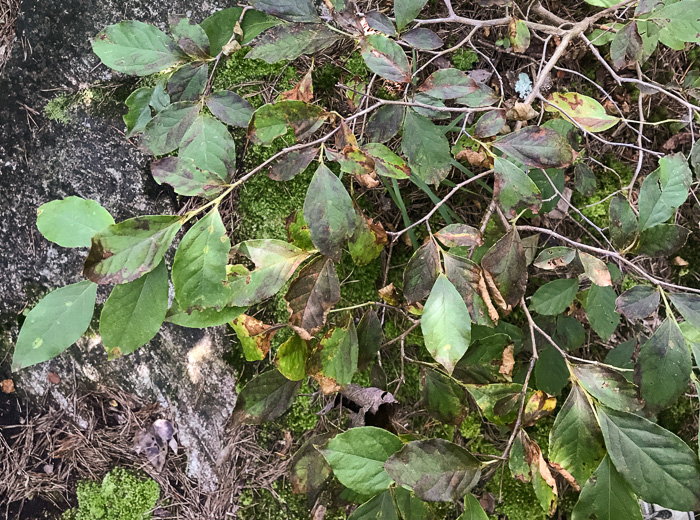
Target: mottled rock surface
(41, 160)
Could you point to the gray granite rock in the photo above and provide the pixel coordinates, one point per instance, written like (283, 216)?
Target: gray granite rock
(41, 160)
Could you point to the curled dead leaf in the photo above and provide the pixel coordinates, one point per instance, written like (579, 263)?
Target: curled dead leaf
(390, 295)
(508, 362)
(7, 386)
(484, 293)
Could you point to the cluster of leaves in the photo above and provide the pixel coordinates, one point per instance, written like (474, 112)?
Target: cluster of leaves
(459, 285)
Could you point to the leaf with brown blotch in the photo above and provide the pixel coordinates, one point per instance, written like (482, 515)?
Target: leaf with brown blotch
(253, 336)
(505, 263)
(537, 147)
(465, 275)
(389, 294)
(334, 360)
(302, 91)
(458, 235)
(554, 257)
(508, 362)
(595, 269)
(291, 164)
(538, 406)
(314, 292)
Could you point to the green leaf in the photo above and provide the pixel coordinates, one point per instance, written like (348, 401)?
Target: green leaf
(664, 191)
(54, 324)
(289, 41)
(202, 319)
(472, 509)
(379, 507)
(484, 96)
(314, 292)
(385, 58)
(689, 307)
(275, 263)
(627, 46)
(358, 456)
(199, 268)
(661, 240)
(606, 496)
(518, 462)
(139, 110)
(436, 470)
(443, 397)
(292, 10)
(335, 361)
(408, 506)
(679, 20)
(137, 48)
(329, 213)
(164, 132)
(230, 108)
(291, 358)
(505, 263)
(380, 22)
(274, 120)
(538, 147)
(126, 251)
(190, 37)
(554, 257)
(426, 148)
(386, 162)
(663, 367)
(188, 82)
(638, 302)
(406, 11)
(134, 312)
(186, 178)
(423, 39)
(369, 338)
(575, 441)
(160, 98)
(623, 223)
(264, 398)
(465, 275)
(658, 466)
(384, 123)
(584, 180)
(555, 297)
(292, 164)
(298, 232)
(585, 111)
(446, 324)
(210, 145)
(72, 222)
(600, 310)
(219, 26)
(609, 387)
(513, 189)
(448, 84)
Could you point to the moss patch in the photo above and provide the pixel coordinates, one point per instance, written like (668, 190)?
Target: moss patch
(122, 495)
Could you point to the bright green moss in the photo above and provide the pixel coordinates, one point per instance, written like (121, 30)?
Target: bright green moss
(464, 59)
(57, 109)
(121, 496)
(607, 182)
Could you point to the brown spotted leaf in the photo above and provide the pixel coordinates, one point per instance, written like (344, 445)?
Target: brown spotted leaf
(302, 91)
(264, 398)
(291, 164)
(126, 251)
(448, 84)
(537, 147)
(505, 263)
(334, 361)
(554, 257)
(314, 292)
(458, 235)
(253, 336)
(274, 120)
(595, 269)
